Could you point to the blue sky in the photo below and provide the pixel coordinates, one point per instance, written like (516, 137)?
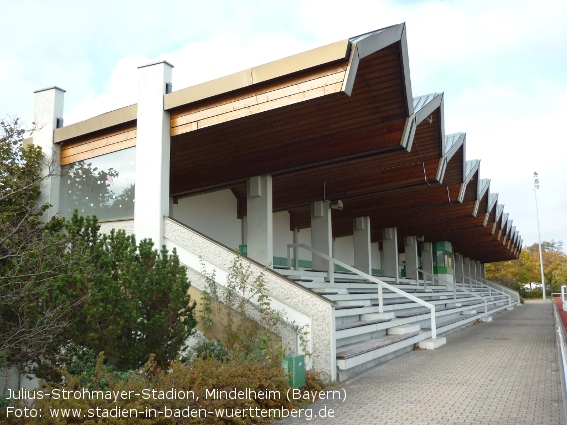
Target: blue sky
(502, 65)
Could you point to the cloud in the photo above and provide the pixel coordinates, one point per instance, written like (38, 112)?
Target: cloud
(499, 62)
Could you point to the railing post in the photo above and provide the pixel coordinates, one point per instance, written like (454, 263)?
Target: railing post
(455, 291)
(331, 273)
(433, 323)
(485, 308)
(380, 299)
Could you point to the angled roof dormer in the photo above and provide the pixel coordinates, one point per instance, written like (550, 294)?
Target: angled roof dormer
(482, 189)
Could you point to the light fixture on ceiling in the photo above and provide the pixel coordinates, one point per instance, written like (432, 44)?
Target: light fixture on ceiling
(429, 119)
(337, 205)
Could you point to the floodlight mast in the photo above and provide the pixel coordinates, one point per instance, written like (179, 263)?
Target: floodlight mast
(536, 187)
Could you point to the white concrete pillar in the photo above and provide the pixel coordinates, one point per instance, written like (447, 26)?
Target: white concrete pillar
(152, 152)
(376, 257)
(473, 269)
(478, 270)
(466, 269)
(321, 233)
(362, 244)
(390, 242)
(48, 110)
(459, 268)
(244, 230)
(412, 260)
(427, 260)
(295, 254)
(260, 239)
(483, 271)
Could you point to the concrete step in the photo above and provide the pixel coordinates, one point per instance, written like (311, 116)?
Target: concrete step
(359, 324)
(356, 350)
(404, 330)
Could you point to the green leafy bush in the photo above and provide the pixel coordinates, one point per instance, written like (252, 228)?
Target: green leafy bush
(136, 298)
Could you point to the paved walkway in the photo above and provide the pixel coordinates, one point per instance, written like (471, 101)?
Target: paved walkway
(503, 372)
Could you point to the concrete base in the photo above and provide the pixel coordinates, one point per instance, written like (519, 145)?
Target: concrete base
(377, 316)
(453, 305)
(432, 344)
(405, 329)
(343, 375)
(348, 303)
(509, 308)
(485, 319)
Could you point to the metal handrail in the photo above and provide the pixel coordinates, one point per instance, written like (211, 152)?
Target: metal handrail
(562, 349)
(454, 285)
(497, 290)
(381, 284)
(505, 290)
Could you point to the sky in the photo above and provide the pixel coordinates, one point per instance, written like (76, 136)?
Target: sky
(502, 65)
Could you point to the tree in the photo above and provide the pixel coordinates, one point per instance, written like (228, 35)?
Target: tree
(526, 269)
(26, 245)
(105, 292)
(137, 300)
(554, 263)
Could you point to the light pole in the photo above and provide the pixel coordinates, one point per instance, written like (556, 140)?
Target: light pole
(536, 187)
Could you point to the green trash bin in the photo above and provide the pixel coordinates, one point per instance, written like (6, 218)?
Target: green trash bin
(294, 364)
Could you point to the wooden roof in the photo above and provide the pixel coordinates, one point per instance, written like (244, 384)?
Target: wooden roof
(338, 122)
(343, 130)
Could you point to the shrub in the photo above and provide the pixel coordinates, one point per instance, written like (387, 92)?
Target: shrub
(236, 372)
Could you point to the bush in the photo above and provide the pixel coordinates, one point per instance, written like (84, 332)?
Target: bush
(235, 372)
(136, 300)
(534, 293)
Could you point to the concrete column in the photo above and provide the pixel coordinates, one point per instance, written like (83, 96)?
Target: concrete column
(459, 268)
(412, 260)
(296, 249)
(244, 230)
(478, 270)
(483, 271)
(427, 259)
(362, 244)
(152, 152)
(48, 109)
(473, 269)
(376, 255)
(390, 264)
(321, 233)
(260, 239)
(466, 269)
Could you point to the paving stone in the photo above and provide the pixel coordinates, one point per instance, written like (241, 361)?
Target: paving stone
(498, 373)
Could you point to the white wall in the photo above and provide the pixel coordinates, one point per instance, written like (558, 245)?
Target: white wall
(343, 249)
(212, 214)
(282, 234)
(375, 256)
(305, 238)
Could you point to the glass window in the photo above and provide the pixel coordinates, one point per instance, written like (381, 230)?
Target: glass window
(101, 186)
(440, 259)
(448, 260)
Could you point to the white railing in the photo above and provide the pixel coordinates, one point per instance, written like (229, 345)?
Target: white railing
(491, 288)
(381, 285)
(562, 350)
(502, 289)
(454, 285)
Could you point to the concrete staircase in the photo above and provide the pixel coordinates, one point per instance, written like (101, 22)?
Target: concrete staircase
(365, 337)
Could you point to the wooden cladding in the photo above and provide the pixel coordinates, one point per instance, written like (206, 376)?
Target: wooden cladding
(99, 144)
(255, 100)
